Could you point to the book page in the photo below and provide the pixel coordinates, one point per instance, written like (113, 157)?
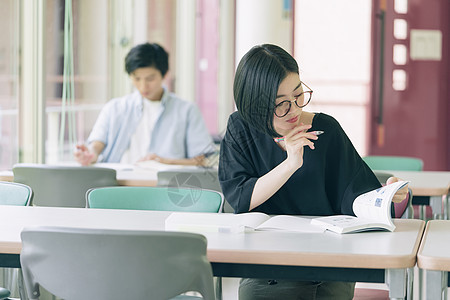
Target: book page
(251, 220)
(347, 224)
(214, 222)
(376, 205)
(289, 223)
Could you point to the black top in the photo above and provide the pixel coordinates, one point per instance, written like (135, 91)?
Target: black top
(332, 175)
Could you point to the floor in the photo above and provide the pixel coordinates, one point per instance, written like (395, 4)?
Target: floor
(230, 288)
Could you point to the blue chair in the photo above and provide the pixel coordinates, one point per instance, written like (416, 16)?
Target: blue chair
(4, 293)
(203, 178)
(399, 163)
(155, 198)
(403, 209)
(17, 194)
(402, 163)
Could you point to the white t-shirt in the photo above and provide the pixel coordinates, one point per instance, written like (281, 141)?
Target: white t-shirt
(140, 141)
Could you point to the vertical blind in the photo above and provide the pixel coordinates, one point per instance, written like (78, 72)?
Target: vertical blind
(68, 91)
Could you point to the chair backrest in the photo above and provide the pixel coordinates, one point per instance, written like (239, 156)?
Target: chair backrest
(80, 263)
(12, 193)
(204, 178)
(382, 176)
(399, 163)
(62, 186)
(4, 293)
(155, 198)
(405, 209)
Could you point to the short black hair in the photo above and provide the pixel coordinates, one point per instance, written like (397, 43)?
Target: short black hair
(256, 82)
(147, 55)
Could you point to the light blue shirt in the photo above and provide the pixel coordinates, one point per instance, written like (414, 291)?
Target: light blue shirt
(179, 132)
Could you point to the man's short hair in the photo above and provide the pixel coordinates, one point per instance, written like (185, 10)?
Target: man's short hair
(147, 55)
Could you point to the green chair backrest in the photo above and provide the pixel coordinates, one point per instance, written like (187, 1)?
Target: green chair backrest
(155, 198)
(204, 178)
(12, 193)
(399, 163)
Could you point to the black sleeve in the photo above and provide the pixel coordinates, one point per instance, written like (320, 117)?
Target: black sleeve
(236, 171)
(347, 175)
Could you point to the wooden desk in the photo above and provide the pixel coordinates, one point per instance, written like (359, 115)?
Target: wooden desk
(143, 174)
(434, 258)
(6, 175)
(126, 177)
(423, 183)
(435, 185)
(137, 177)
(382, 257)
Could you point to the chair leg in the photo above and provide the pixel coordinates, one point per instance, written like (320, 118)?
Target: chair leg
(218, 288)
(22, 292)
(9, 279)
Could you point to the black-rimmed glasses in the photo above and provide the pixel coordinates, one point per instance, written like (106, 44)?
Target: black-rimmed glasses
(282, 108)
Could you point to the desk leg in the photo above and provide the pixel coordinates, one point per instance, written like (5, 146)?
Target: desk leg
(422, 212)
(396, 279)
(410, 286)
(445, 199)
(420, 282)
(436, 284)
(438, 204)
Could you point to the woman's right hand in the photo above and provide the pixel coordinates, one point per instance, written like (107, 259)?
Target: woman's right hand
(294, 143)
(84, 156)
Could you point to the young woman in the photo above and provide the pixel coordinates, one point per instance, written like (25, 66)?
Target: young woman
(273, 160)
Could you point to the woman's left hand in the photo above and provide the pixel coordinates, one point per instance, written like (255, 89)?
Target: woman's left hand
(401, 194)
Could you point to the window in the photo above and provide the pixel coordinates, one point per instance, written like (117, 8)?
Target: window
(31, 84)
(9, 82)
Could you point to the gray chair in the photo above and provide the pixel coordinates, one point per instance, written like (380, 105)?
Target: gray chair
(203, 178)
(62, 186)
(80, 263)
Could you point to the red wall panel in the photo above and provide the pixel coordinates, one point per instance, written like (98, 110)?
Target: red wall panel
(415, 120)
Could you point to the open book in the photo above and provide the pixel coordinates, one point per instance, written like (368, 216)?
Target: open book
(235, 223)
(372, 210)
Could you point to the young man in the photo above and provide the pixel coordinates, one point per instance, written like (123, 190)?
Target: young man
(149, 124)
